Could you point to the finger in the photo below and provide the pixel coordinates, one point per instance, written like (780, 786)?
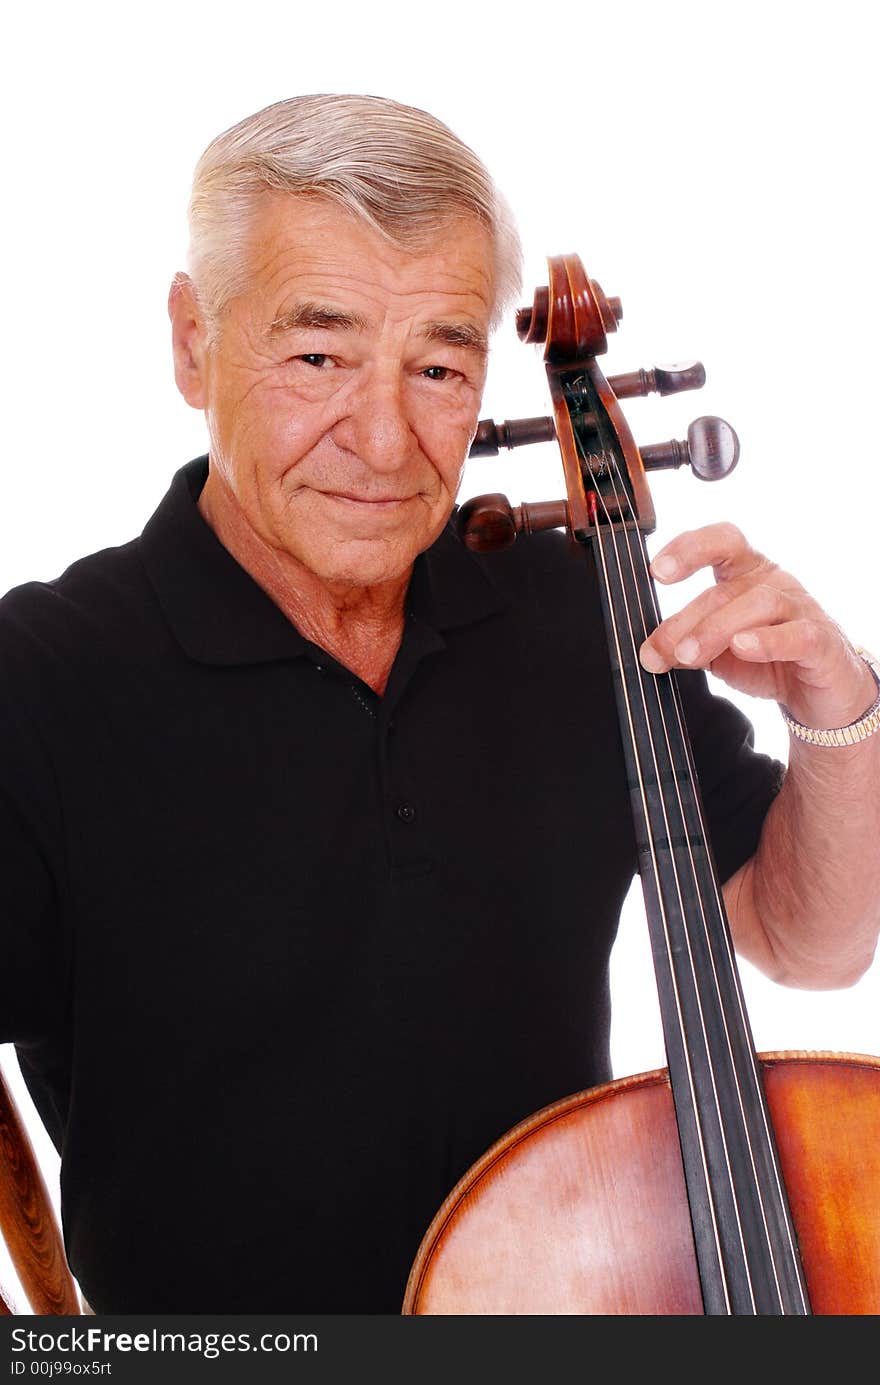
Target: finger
(696, 642)
(818, 674)
(762, 605)
(814, 645)
(662, 641)
(723, 547)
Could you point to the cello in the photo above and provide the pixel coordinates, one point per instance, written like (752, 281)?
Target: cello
(729, 1182)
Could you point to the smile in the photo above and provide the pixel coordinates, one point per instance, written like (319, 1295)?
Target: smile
(380, 503)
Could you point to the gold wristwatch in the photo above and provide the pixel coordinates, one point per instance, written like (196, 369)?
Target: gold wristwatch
(858, 730)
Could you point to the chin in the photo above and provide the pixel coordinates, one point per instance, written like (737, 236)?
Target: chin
(362, 565)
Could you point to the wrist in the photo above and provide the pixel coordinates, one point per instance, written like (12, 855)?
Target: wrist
(863, 725)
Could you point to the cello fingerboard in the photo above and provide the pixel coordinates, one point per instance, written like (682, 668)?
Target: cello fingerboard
(743, 1232)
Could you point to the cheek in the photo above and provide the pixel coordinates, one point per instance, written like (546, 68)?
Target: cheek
(453, 404)
(445, 437)
(450, 466)
(270, 430)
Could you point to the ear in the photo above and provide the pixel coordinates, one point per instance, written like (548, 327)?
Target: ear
(188, 339)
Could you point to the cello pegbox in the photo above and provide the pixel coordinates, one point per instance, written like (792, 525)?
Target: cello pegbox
(490, 436)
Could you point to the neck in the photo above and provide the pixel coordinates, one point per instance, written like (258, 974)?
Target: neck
(361, 627)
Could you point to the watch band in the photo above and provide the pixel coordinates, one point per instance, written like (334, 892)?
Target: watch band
(858, 730)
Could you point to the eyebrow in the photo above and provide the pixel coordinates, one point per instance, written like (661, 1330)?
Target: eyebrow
(456, 334)
(318, 316)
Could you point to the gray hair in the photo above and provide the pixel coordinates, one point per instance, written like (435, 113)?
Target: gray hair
(399, 169)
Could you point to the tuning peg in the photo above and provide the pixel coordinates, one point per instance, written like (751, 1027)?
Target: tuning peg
(489, 522)
(711, 450)
(659, 379)
(513, 432)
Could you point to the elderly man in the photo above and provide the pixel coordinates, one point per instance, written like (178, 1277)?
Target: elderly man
(297, 792)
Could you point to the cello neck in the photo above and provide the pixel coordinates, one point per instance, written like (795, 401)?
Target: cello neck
(745, 1243)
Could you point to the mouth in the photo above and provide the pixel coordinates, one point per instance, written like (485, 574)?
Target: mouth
(379, 502)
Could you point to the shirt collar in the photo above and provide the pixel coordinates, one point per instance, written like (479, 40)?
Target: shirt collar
(220, 615)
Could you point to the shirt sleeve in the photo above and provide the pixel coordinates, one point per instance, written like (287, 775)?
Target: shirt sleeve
(737, 782)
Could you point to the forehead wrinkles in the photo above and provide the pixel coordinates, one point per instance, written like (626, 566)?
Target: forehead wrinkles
(344, 267)
(370, 298)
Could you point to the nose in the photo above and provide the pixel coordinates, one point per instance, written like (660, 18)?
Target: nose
(377, 426)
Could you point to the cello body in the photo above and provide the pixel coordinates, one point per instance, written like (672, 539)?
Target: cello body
(582, 1208)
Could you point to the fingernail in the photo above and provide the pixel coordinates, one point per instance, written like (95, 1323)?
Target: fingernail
(745, 641)
(687, 651)
(665, 567)
(652, 660)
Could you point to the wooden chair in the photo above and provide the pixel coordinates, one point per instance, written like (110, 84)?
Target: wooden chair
(28, 1223)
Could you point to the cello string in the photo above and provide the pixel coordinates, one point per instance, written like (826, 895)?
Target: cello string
(630, 541)
(750, 1053)
(622, 497)
(624, 505)
(698, 1123)
(757, 1086)
(723, 1129)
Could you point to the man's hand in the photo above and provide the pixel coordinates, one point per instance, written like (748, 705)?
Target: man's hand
(758, 630)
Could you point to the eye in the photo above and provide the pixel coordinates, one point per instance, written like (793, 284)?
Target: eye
(438, 372)
(318, 359)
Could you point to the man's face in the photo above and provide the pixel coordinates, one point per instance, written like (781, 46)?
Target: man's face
(343, 390)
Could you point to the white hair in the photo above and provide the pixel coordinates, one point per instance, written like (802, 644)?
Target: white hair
(399, 169)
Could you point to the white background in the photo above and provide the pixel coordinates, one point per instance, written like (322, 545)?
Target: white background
(714, 165)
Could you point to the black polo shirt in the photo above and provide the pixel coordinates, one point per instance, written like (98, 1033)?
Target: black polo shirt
(281, 957)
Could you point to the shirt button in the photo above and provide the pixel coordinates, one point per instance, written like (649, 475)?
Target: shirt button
(406, 812)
